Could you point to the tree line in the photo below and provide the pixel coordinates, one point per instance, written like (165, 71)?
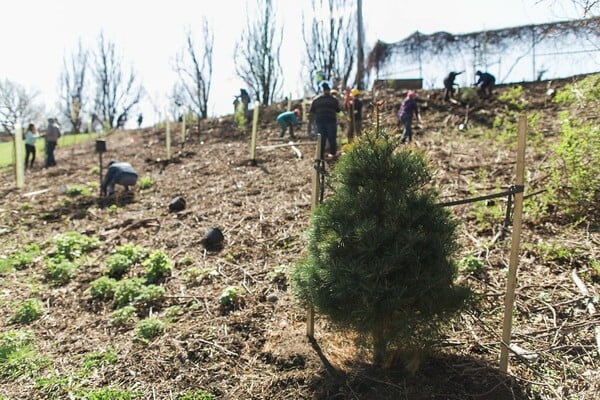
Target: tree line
(96, 81)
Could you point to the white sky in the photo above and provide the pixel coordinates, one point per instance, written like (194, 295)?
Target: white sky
(35, 35)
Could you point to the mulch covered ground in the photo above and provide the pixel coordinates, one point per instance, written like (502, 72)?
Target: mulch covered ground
(257, 349)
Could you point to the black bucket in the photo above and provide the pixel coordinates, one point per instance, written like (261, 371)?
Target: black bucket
(213, 240)
(177, 204)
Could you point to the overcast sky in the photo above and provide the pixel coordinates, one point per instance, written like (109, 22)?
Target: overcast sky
(35, 35)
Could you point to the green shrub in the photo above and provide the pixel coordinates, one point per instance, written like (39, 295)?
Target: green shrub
(18, 356)
(197, 394)
(145, 182)
(72, 245)
(123, 316)
(231, 296)
(470, 264)
(149, 328)
(134, 253)
(20, 259)
(99, 359)
(158, 267)
(103, 288)
(28, 311)
(60, 271)
(127, 291)
(74, 191)
(118, 265)
(380, 252)
(109, 394)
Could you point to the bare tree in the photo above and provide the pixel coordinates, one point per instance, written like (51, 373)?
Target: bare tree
(72, 85)
(195, 72)
(257, 53)
(17, 105)
(116, 92)
(329, 40)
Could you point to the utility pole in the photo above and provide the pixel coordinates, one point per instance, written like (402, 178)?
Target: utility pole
(360, 54)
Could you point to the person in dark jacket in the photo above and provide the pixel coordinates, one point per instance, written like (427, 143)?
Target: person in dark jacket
(407, 111)
(449, 84)
(53, 133)
(485, 84)
(121, 173)
(288, 119)
(325, 109)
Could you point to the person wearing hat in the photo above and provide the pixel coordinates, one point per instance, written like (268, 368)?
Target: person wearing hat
(121, 173)
(355, 114)
(51, 138)
(407, 111)
(485, 84)
(325, 109)
(288, 119)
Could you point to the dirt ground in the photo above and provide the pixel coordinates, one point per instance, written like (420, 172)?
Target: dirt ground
(258, 348)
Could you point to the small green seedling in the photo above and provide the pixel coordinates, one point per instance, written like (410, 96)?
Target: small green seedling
(29, 311)
(149, 328)
(145, 182)
(158, 267)
(231, 296)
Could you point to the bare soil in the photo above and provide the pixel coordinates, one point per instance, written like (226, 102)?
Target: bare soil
(258, 348)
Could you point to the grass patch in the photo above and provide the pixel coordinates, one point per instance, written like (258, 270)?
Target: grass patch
(28, 311)
(18, 356)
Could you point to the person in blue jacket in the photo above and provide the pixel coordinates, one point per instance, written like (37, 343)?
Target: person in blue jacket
(121, 173)
(288, 119)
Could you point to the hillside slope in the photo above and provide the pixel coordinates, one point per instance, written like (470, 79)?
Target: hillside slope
(255, 347)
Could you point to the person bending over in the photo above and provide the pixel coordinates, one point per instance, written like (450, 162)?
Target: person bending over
(121, 173)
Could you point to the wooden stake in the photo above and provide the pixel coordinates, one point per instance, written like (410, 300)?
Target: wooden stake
(310, 317)
(168, 137)
(514, 251)
(19, 159)
(183, 130)
(254, 129)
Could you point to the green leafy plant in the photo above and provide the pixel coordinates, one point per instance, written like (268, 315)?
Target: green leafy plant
(108, 394)
(99, 359)
(118, 265)
(95, 170)
(197, 394)
(133, 252)
(240, 116)
(20, 259)
(380, 253)
(123, 316)
(18, 356)
(145, 182)
(513, 97)
(149, 328)
(231, 296)
(470, 264)
(60, 271)
(28, 311)
(127, 291)
(72, 245)
(195, 275)
(158, 267)
(103, 288)
(74, 191)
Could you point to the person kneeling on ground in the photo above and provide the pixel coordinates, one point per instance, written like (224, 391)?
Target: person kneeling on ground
(288, 119)
(121, 173)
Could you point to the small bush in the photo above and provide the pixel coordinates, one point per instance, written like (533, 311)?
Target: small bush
(145, 182)
(158, 267)
(231, 296)
(74, 191)
(60, 272)
(17, 355)
(99, 359)
(20, 259)
(123, 316)
(109, 394)
(103, 288)
(197, 394)
(134, 253)
(149, 328)
(127, 291)
(28, 311)
(118, 265)
(73, 245)
(470, 264)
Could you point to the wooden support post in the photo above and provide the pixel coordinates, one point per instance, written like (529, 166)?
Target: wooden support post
(19, 159)
(316, 190)
(168, 137)
(289, 104)
(254, 130)
(515, 246)
(182, 130)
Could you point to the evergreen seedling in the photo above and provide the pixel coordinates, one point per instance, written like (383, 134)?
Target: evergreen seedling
(379, 256)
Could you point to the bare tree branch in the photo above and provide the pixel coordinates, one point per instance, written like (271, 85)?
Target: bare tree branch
(17, 105)
(116, 92)
(257, 53)
(72, 86)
